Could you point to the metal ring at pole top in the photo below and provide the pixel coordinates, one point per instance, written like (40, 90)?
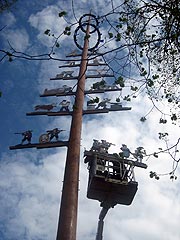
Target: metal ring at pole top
(94, 30)
(81, 23)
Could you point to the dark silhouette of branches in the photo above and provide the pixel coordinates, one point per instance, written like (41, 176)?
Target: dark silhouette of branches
(6, 4)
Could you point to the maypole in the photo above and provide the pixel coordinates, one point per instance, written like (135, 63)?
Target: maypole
(111, 176)
(69, 200)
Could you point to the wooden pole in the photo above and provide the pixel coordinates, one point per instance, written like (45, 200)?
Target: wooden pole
(69, 200)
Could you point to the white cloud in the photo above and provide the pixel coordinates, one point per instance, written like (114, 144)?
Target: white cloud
(9, 19)
(18, 39)
(33, 192)
(48, 19)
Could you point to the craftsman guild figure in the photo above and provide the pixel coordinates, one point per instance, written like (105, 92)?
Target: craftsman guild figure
(103, 103)
(140, 152)
(54, 133)
(101, 147)
(64, 105)
(27, 136)
(65, 74)
(125, 151)
(63, 89)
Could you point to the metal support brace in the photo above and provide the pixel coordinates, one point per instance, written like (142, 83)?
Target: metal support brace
(99, 235)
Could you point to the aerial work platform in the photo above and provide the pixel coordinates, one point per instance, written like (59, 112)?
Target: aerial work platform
(101, 190)
(111, 177)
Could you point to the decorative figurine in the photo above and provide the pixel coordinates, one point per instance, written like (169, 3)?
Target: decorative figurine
(71, 63)
(54, 133)
(103, 103)
(45, 107)
(95, 146)
(102, 85)
(47, 137)
(99, 85)
(27, 135)
(106, 145)
(64, 105)
(101, 147)
(65, 74)
(125, 151)
(139, 154)
(63, 89)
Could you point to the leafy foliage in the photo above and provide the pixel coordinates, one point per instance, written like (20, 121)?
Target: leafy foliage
(62, 14)
(120, 81)
(6, 5)
(47, 32)
(154, 175)
(67, 31)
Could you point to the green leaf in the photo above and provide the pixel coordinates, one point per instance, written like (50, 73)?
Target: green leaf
(155, 155)
(134, 88)
(127, 98)
(110, 35)
(151, 174)
(119, 25)
(144, 73)
(47, 31)
(120, 81)
(150, 83)
(96, 100)
(174, 117)
(154, 174)
(66, 32)
(67, 29)
(143, 119)
(118, 37)
(124, 19)
(63, 13)
(141, 54)
(155, 76)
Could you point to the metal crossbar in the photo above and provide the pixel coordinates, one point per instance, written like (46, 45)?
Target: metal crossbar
(111, 169)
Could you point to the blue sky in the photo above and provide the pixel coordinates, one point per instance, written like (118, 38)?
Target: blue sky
(31, 180)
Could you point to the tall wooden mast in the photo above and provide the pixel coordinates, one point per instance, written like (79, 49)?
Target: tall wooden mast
(67, 223)
(69, 200)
